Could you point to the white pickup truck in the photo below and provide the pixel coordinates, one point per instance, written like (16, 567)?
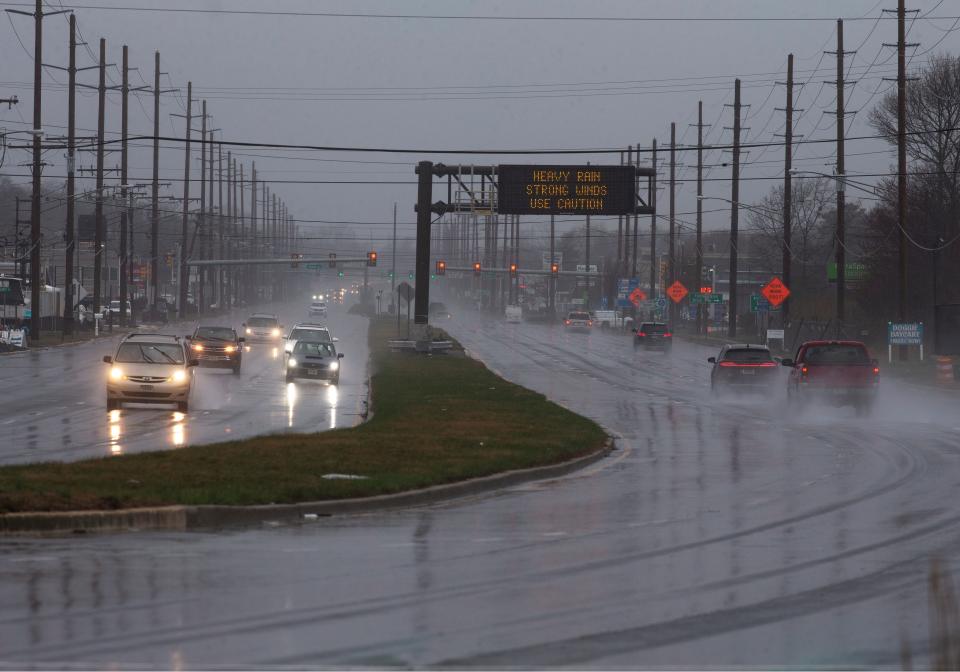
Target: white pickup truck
(611, 319)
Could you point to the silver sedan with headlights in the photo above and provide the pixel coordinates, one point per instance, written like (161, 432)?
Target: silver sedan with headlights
(318, 361)
(263, 327)
(150, 369)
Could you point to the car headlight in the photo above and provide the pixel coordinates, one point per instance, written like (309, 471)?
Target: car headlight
(248, 330)
(179, 376)
(229, 348)
(334, 366)
(197, 347)
(275, 333)
(291, 362)
(314, 297)
(116, 373)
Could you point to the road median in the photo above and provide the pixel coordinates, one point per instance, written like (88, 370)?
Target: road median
(439, 424)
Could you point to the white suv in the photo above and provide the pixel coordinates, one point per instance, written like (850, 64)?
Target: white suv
(312, 333)
(150, 369)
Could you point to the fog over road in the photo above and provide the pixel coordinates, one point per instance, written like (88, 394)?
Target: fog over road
(54, 408)
(721, 533)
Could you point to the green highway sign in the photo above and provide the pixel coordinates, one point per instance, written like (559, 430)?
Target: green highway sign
(314, 267)
(698, 297)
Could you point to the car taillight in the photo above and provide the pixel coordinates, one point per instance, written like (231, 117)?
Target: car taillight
(803, 370)
(667, 335)
(641, 333)
(590, 323)
(768, 364)
(876, 370)
(728, 364)
(566, 321)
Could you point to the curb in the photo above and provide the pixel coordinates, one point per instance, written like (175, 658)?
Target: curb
(213, 517)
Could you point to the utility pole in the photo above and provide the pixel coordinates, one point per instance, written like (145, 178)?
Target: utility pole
(902, 167)
(71, 182)
(586, 267)
(840, 241)
(255, 234)
(155, 188)
(35, 317)
(653, 233)
(672, 247)
(222, 296)
(124, 214)
(626, 253)
(734, 211)
(184, 269)
(787, 193)
(244, 236)
(99, 243)
(393, 273)
(212, 276)
(620, 245)
(202, 273)
(636, 226)
(699, 270)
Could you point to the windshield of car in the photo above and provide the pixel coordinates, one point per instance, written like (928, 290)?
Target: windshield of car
(651, 328)
(311, 335)
(216, 333)
(578, 316)
(836, 353)
(150, 353)
(262, 322)
(309, 349)
(747, 356)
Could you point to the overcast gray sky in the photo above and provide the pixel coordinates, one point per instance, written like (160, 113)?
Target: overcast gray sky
(443, 83)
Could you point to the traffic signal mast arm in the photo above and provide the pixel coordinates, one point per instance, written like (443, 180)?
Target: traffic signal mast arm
(281, 260)
(521, 271)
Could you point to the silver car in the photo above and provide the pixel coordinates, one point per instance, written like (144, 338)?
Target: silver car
(150, 369)
(263, 327)
(313, 333)
(319, 361)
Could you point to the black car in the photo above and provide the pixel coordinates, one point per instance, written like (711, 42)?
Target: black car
(439, 310)
(219, 347)
(653, 335)
(743, 367)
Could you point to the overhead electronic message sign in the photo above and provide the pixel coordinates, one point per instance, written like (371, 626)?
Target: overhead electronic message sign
(566, 190)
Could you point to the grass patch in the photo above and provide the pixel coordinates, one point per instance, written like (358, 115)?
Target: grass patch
(435, 420)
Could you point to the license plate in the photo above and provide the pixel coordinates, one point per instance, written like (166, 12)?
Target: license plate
(313, 372)
(747, 372)
(146, 388)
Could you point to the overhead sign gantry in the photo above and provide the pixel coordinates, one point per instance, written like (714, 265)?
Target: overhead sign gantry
(527, 190)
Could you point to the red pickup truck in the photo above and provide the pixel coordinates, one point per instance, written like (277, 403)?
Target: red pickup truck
(835, 372)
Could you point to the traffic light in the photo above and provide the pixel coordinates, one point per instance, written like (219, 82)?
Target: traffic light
(476, 268)
(555, 268)
(333, 261)
(513, 270)
(340, 274)
(295, 259)
(441, 267)
(410, 275)
(706, 290)
(371, 258)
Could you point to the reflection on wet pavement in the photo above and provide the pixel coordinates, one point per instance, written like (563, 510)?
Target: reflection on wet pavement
(64, 411)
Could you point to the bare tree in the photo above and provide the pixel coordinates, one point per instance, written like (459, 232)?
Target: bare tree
(811, 237)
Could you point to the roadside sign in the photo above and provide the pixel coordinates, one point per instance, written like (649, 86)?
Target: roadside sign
(904, 333)
(636, 296)
(676, 292)
(661, 302)
(775, 292)
(582, 268)
(624, 303)
(775, 334)
(705, 297)
(759, 304)
(313, 267)
(405, 291)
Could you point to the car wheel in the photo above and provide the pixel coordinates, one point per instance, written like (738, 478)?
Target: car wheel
(183, 406)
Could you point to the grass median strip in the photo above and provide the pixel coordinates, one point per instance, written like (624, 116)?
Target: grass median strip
(436, 419)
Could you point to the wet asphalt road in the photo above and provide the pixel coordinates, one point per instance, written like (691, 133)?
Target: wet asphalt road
(54, 407)
(722, 533)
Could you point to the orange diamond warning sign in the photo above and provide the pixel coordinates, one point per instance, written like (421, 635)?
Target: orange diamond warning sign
(636, 296)
(775, 292)
(676, 291)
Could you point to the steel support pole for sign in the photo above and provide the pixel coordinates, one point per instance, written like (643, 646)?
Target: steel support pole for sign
(552, 283)
(424, 196)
